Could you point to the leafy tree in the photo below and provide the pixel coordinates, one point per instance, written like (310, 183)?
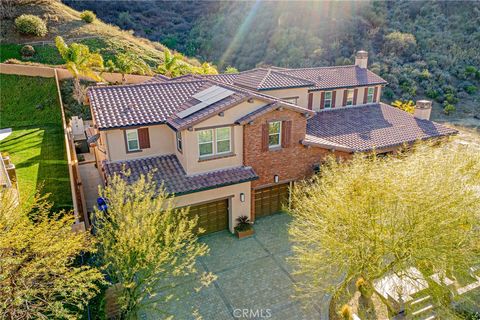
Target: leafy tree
(80, 62)
(172, 65)
(205, 68)
(374, 216)
(230, 70)
(400, 43)
(407, 106)
(145, 243)
(127, 63)
(39, 278)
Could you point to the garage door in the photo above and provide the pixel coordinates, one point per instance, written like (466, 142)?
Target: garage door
(212, 216)
(270, 200)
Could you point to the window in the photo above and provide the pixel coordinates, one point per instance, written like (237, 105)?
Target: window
(205, 142)
(327, 103)
(214, 141)
(132, 140)
(274, 134)
(223, 140)
(349, 97)
(178, 135)
(370, 95)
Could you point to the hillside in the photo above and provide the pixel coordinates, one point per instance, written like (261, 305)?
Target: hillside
(65, 21)
(423, 49)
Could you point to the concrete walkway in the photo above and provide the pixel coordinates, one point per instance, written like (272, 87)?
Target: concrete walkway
(90, 180)
(254, 279)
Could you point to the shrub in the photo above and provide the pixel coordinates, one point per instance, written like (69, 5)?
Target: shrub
(31, 25)
(448, 108)
(27, 51)
(88, 16)
(243, 224)
(399, 43)
(471, 89)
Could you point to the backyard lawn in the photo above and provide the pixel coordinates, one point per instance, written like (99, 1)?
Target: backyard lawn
(29, 105)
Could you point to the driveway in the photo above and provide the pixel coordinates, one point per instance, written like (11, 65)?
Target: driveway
(254, 279)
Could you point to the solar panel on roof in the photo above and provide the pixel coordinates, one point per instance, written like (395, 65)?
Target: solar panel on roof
(207, 97)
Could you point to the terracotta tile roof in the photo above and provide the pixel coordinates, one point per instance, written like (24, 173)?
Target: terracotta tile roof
(368, 127)
(336, 77)
(158, 78)
(168, 170)
(182, 123)
(267, 79)
(139, 104)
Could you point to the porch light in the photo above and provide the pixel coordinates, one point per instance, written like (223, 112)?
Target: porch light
(242, 197)
(275, 178)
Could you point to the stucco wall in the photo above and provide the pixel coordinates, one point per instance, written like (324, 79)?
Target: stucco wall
(236, 207)
(190, 158)
(339, 97)
(301, 93)
(162, 140)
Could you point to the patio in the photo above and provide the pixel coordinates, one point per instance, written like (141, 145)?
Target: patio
(253, 275)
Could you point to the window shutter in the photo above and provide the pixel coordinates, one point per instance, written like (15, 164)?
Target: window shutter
(264, 137)
(334, 95)
(322, 100)
(375, 93)
(355, 95)
(345, 93)
(286, 133)
(365, 95)
(310, 101)
(143, 138)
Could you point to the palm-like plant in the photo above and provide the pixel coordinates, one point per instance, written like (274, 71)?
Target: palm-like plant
(173, 65)
(126, 63)
(79, 61)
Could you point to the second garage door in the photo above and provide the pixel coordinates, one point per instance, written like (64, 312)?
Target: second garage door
(271, 199)
(212, 216)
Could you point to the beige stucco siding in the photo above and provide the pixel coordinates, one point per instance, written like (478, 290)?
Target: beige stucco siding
(339, 97)
(236, 207)
(190, 158)
(301, 93)
(162, 141)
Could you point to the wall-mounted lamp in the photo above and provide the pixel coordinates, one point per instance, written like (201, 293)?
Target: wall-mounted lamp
(221, 114)
(275, 178)
(242, 197)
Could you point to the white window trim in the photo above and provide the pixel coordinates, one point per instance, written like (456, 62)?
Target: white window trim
(179, 140)
(271, 134)
(128, 140)
(293, 100)
(372, 94)
(353, 95)
(325, 100)
(214, 142)
(229, 139)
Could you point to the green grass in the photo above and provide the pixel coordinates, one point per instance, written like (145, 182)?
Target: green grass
(47, 54)
(108, 48)
(29, 106)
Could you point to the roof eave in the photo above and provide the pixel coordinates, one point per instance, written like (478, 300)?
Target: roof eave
(215, 187)
(346, 87)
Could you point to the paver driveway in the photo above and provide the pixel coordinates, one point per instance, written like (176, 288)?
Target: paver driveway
(252, 273)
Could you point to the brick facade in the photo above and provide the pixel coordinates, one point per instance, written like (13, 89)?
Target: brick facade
(291, 163)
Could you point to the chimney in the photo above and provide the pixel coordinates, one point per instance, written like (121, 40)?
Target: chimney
(361, 59)
(423, 108)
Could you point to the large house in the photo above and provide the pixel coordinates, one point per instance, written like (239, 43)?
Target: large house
(232, 144)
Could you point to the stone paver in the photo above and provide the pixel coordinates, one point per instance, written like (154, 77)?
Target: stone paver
(252, 274)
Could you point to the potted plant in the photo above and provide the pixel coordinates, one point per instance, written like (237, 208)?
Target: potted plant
(244, 227)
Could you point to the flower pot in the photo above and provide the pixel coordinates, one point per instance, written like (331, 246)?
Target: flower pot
(245, 233)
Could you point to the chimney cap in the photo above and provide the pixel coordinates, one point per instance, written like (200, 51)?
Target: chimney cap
(423, 104)
(361, 54)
